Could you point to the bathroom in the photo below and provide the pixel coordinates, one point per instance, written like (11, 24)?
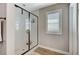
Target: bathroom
(27, 29)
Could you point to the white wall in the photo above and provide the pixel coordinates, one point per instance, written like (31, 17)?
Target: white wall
(10, 25)
(73, 39)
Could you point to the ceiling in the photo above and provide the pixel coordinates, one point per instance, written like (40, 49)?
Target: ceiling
(36, 6)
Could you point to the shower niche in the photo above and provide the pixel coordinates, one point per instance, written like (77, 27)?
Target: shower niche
(26, 31)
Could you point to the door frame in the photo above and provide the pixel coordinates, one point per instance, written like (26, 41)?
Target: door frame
(73, 28)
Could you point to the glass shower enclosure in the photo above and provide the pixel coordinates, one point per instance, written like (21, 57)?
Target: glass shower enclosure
(26, 30)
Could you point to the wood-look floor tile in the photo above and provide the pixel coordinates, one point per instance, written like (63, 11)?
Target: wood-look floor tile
(44, 51)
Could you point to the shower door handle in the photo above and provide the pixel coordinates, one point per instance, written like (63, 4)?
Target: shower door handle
(28, 43)
(28, 32)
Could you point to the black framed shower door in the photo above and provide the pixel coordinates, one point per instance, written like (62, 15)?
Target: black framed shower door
(26, 37)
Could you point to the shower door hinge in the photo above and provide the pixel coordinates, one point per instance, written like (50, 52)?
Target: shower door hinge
(29, 43)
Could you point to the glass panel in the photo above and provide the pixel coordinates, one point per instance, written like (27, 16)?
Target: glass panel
(26, 31)
(21, 36)
(53, 22)
(53, 27)
(33, 30)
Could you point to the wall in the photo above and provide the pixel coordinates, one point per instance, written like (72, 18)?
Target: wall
(60, 42)
(73, 29)
(10, 26)
(2, 9)
(3, 14)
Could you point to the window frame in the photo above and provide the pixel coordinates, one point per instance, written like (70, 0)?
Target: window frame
(60, 21)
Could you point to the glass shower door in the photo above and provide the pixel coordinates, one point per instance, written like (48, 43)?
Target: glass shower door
(21, 36)
(33, 31)
(26, 36)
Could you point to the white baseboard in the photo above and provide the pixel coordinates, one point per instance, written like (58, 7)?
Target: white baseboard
(60, 51)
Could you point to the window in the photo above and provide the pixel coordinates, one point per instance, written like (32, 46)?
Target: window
(54, 22)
